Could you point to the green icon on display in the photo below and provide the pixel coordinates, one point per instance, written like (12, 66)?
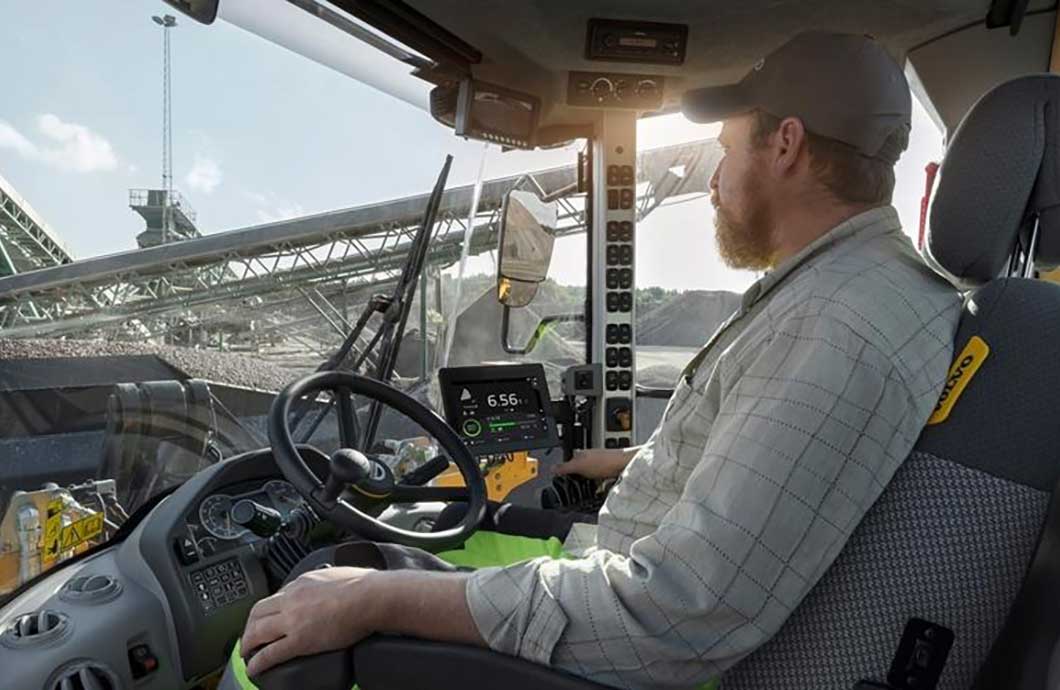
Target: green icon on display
(471, 427)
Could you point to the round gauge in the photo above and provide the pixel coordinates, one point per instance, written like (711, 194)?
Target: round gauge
(283, 495)
(215, 514)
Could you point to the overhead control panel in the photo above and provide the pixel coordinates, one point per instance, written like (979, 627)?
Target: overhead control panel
(615, 90)
(499, 409)
(654, 43)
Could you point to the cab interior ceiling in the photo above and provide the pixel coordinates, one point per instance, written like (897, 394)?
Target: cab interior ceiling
(532, 45)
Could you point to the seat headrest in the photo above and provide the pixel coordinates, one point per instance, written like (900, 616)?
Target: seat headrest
(1001, 173)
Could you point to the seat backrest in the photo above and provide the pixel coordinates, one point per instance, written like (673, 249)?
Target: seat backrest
(951, 537)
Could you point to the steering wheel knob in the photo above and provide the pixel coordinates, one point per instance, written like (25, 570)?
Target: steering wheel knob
(346, 466)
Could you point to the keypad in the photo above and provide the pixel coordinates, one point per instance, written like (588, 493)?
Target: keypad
(218, 585)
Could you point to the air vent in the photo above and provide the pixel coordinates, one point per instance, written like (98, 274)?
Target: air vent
(91, 589)
(84, 675)
(32, 629)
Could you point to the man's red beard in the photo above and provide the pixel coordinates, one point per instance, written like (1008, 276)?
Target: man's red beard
(747, 244)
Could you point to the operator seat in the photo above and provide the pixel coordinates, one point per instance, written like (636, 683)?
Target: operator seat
(959, 529)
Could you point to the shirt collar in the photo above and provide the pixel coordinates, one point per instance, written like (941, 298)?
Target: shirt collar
(875, 221)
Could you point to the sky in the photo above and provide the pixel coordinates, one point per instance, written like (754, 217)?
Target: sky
(262, 134)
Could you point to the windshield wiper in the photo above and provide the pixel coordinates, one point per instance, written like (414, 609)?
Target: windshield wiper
(395, 311)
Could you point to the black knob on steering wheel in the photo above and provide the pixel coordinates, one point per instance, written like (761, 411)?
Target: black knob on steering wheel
(349, 467)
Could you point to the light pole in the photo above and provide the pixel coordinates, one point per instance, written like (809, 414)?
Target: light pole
(167, 22)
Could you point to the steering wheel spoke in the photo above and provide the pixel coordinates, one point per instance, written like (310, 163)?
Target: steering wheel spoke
(353, 472)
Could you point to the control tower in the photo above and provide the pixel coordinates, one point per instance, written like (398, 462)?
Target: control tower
(166, 223)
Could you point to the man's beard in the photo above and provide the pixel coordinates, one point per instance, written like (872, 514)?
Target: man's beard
(747, 244)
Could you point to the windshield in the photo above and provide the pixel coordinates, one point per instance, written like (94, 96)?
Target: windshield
(147, 319)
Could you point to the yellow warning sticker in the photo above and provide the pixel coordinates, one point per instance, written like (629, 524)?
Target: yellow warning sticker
(964, 367)
(53, 527)
(77, 533)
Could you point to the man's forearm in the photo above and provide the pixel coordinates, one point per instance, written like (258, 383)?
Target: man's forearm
(432, 606)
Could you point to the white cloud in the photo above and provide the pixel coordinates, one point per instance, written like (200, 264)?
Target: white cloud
(67, 146)
(11, 138)
(205, 175)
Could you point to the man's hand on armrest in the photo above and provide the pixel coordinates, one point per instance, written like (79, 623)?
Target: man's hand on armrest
(335, 608)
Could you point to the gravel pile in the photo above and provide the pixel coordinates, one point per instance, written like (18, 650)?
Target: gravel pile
(262, 373)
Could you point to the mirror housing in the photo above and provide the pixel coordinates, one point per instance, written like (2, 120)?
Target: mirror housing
(202, 11)
(527, 234)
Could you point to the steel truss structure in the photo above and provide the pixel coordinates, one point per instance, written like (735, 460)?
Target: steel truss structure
(296, 279)
(26, 241)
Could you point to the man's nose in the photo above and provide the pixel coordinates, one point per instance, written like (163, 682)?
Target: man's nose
(714, 177)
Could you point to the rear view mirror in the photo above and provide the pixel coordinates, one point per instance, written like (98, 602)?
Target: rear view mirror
(528, 231)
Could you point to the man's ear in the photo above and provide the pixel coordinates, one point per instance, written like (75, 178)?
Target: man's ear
(788, 141)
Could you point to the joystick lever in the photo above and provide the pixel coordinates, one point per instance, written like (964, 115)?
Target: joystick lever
(347, 466)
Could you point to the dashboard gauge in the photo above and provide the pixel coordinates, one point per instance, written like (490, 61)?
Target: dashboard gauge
(283, 495)
(215, 514)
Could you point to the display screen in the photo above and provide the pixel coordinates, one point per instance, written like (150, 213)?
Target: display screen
(493, 113)
(499, 409)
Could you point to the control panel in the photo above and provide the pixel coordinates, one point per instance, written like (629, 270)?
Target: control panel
(218, 585)
(499, 409)
(615, 90)
(614, 230)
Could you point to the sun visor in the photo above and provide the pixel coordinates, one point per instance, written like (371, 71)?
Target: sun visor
(283, 23)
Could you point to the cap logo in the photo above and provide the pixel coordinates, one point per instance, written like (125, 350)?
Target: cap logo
(760, 64)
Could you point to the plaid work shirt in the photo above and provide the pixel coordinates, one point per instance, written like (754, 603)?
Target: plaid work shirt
(781, 433)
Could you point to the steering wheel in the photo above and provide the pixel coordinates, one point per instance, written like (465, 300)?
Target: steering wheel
(351, 470)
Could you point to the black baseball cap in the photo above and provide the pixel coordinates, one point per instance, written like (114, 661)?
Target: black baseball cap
(842, 86)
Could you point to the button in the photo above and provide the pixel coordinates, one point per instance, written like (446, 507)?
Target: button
(625, 301)
(471, 428)
(612, 380)
(623, 442)
(625, 278)
(613, 255)
(612, 278)
(611, 443)
(625, 231)
(625, 175)
(612, 199)
(613, 175)
(625, 380)
(142, 661)
(611, 357)
(186, 552)
(196, 577)
(625, 199)
(612, 333)
(612, 301)
(625, 254)
(211, 571)
(625, 357)
(613, 231)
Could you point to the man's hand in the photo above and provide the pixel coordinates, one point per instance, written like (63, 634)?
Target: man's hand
(335, 608)
(320, 611)
(597, 463)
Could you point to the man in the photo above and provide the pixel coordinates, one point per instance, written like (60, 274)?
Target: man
(781, 433)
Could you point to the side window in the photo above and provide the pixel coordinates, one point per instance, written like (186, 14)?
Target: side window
(684, 290)
(464, 316)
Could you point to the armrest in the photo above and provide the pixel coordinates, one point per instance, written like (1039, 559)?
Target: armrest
(403, 663)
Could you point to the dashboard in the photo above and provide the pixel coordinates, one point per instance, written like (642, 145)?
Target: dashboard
(162, 608)
(212, 524)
